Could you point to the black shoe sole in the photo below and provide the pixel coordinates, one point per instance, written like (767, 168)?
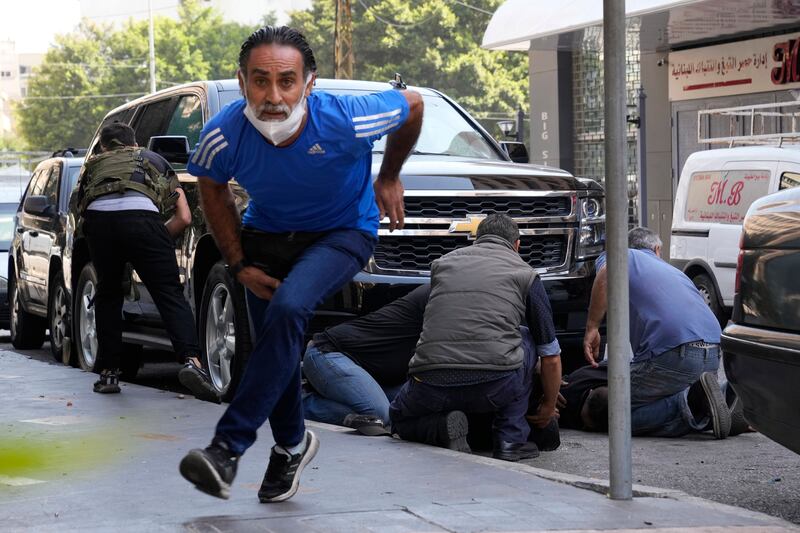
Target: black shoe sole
(196, 383)
(197, 469)
(720, 414)
(513, 457)
(311, 450)
(456, 429)
(107, 389)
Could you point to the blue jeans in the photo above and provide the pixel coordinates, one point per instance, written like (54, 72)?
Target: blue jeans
(342, 387)
(270, 385)
(659, 388)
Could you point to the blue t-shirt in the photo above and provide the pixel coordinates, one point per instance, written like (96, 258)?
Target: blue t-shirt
(320, 182)
(666, 309)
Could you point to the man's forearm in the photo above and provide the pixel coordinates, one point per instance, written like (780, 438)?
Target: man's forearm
(222, 216)
(551, 379)
(400, 143)
(599, 301)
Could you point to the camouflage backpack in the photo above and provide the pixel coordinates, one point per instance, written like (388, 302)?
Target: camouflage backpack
(112, 171)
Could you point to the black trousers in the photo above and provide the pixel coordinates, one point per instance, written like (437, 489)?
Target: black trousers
(139, 238)
(418, 406)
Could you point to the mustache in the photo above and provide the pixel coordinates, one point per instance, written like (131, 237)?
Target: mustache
(269, 108)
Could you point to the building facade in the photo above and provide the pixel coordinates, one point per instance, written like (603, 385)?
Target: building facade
(683, 56)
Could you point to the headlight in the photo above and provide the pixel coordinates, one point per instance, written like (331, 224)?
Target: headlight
(592, 232)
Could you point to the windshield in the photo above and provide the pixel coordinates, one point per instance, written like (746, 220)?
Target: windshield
(444, 130)
(72, 176)
(7, 212)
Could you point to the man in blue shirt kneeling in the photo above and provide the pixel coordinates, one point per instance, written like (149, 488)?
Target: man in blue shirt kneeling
(675, 342)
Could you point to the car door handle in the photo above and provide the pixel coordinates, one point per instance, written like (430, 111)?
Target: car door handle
(34, 234)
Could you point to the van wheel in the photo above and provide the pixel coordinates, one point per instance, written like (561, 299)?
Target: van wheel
(84, 328)
(707, 289)
(58, 318)
(27, 330)
(224, 331)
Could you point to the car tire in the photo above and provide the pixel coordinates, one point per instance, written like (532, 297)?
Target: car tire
(27, 330)
(708, 290)
(58, 312)
(84, 330)
(224, 331)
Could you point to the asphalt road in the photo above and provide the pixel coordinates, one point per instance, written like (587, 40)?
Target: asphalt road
(748, 470)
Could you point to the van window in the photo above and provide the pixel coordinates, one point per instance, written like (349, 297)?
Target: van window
(789, 180)
(724, 196)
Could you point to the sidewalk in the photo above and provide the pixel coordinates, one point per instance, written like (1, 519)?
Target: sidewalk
(87, 462)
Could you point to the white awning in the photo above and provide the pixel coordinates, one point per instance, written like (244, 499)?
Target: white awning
(517, 22)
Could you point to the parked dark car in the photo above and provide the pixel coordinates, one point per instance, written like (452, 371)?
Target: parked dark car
(7, 212)
(457, 175)
(762, 342)
(37, 296)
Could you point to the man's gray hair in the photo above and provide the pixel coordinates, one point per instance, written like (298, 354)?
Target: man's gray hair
(643, 239)
(500, 225)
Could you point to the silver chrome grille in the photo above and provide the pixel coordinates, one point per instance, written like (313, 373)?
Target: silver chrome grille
(461, 206)
(416, 252)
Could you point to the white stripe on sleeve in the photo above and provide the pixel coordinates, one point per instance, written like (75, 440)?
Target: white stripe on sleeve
(203, 143)
(367, 118)
(211, 144)
(214, 153)
(386, 128)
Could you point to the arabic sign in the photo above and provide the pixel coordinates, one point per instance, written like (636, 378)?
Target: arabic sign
(753, 66)
(724, 197)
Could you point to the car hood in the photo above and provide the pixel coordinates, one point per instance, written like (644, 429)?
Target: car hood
(422, 172)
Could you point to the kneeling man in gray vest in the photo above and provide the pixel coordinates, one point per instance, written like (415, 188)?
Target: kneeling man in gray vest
(470, 355)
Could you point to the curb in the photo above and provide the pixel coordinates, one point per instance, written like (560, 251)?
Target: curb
(600, 486)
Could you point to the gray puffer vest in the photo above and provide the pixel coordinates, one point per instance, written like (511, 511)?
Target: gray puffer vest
(476, 305)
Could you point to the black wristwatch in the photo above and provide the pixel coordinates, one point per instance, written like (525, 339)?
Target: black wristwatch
(237, 267)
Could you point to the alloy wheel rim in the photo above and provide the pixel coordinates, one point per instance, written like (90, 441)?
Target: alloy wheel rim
(88, 328)
(58, 324)
(15, 310)
(220, 337)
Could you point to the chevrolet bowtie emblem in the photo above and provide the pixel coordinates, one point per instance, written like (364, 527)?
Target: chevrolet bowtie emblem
(467, 225)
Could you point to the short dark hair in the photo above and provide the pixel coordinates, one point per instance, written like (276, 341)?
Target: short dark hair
(597, 409)
(500, 225)
(117, 134)
(278, 35)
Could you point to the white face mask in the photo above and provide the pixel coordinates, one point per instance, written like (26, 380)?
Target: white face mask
(277, 131)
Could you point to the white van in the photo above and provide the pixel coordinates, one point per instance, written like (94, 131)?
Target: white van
(715, 190)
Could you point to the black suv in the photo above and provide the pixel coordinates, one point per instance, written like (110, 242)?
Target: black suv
(457, 175)
(36, 293)
(762, 341)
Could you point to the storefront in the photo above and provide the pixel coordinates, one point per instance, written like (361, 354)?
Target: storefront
(683, 56)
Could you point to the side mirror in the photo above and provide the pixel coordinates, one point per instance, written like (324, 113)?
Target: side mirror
(516, 151)
(37, 205)
(173, 148)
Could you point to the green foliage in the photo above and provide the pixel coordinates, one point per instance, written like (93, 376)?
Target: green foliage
(432, 43)
(98, 60)
(12, 143)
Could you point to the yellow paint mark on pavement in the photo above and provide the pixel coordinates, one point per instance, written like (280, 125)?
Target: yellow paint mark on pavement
(18, 481)
(65, 420)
